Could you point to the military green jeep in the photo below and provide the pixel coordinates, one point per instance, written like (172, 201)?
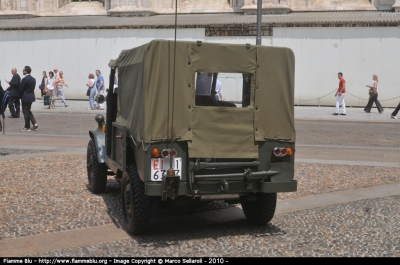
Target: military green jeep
(170, 136)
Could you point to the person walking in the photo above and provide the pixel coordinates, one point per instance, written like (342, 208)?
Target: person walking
(100, 87)
(13, 93)
(92, 92)
(27, 88)
(55, 70)
(42, 87)
(394, 113)
(60, 83)
(3, 104)
(373, 96)
(51, 91)
(340, 93)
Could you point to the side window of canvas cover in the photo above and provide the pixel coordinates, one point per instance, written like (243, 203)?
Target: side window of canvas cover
(231, 89)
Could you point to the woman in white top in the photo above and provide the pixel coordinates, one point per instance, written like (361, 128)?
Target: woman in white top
(50, 90)
(92, 85)
(373, 98)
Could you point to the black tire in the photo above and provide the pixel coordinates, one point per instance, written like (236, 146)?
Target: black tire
(262, 210)
(136, 206)
(96, 172)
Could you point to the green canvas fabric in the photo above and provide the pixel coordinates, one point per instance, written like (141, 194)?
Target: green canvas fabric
(130, 111)
(154, 106)
(223, 133)
(274, 98)
(160, 96)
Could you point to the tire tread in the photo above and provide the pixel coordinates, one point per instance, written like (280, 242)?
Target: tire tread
(140, 220)
(99, 182)
(262, 210)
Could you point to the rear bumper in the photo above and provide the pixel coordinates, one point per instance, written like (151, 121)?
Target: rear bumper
(235, 187)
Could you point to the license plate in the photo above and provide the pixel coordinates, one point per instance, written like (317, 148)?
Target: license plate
(159, 166)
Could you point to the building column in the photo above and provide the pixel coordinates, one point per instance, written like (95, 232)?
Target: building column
(55, 6)
(396, 6)
(28, 5)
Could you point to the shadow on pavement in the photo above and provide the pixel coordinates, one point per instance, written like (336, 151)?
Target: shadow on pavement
(171, 223)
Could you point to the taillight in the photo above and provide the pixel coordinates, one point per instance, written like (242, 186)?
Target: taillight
(173, 153)
(289, 151)
(282, 151)
(277, 151)
(155, 152)
(168, 153)
(165, 153)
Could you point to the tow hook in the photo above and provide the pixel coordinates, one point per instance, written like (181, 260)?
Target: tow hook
(170, 185)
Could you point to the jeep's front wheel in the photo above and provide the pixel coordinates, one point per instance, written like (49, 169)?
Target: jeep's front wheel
(136, 206)
(261, 210)
(96, 172)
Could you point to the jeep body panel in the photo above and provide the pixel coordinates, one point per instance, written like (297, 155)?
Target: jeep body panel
(99, 139)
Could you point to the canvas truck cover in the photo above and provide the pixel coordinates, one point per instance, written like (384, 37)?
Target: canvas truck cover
(153, 109)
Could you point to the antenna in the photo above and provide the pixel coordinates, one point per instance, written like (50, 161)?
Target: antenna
(171, 171)
(259, 17)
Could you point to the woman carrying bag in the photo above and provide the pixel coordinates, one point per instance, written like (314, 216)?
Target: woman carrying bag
(91, 91)
(42, 86)
(373, 96)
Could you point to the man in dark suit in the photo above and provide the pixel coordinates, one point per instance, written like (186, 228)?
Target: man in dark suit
(13, 103)
(26, 88)
(3, 104)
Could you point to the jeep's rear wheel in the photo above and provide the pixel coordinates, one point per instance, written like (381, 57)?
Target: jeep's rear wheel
(262, 210)
(96, 172)
(136, 206)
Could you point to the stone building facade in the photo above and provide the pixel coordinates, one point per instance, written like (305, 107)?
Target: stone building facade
(29, 8)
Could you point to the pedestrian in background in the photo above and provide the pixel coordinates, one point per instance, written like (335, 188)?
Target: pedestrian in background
(60, 83)
(13, 93)
(3, 104)
(55, 70)
(373, 96)
(27, 88)
(42, 86)
(394, 113)
(92, 91)
(340, 93)
(51, 91)
(100, 87)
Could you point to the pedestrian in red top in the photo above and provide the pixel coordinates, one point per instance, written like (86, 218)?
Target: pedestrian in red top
(340, 93)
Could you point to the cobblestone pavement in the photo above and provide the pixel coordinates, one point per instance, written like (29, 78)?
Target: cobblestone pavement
(368, 228)
(54, 195)
(47, 194)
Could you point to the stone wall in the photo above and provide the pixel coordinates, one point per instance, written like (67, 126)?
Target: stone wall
(32, 6)
(153, 7)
